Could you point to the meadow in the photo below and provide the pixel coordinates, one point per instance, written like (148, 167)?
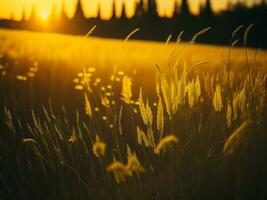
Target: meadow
(92, 118)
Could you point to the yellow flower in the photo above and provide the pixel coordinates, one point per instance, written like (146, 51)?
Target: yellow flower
(21, 78)
(105, 102)
(99, 148)
(72, 139)
(78, 87)
(31, 74)
(91, 69)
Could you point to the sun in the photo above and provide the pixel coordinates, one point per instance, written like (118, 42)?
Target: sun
(44, 15)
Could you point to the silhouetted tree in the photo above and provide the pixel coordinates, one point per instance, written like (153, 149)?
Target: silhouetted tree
(114, 16)
(23, 19)
(52, 16)
(123, 11)
(63, 17)
(79, 14)
(98, 15)
(152, 10)
(207, 9)
(139, 9)
(146, 17)
(185, 11)
(176, 10)
(33, 16)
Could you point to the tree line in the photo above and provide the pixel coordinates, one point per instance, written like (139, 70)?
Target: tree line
(154, 27)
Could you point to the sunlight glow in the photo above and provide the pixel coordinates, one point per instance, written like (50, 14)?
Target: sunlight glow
(44, 15)
(15, 8)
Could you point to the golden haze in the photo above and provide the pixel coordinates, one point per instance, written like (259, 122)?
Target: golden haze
(15, 8)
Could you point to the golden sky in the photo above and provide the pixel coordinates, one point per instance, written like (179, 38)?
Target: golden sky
(14, 8)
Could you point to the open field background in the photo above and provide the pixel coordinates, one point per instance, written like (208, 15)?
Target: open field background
(60, 58)
(89, 118)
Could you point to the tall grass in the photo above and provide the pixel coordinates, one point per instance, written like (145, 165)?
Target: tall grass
(198, 135)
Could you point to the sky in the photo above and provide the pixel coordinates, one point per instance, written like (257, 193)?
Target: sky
(14, 8)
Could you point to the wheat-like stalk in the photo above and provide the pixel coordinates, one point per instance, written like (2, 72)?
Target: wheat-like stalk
(160, 117)
(29, 141)
(133, 164)
(234, 139)
(165, 142)
(141, 137)
(229, 114)
(145, 110)
(88, 108)
(127, 90)
(217, 99)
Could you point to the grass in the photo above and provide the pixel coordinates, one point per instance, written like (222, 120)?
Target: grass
(143, 121)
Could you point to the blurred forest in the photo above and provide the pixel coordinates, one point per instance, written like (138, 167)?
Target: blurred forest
(154, 27)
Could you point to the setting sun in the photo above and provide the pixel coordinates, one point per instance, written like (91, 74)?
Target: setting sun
(44, 15)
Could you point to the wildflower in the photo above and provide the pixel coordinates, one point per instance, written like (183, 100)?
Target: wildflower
(80, 74)
(76, 81)
(135, 111)
(104, 118)
(78, 87)
(97, 80)
(99, 148)
(108, 94)
(30, 74)
(72, 139)
(164, 143)
(105, 102)
(34, 69)
(112, 78)
(91, 69)
(21, 78)
(120, 73)
(102, 88)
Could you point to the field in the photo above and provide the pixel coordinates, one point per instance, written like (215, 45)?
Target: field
(91, 118)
